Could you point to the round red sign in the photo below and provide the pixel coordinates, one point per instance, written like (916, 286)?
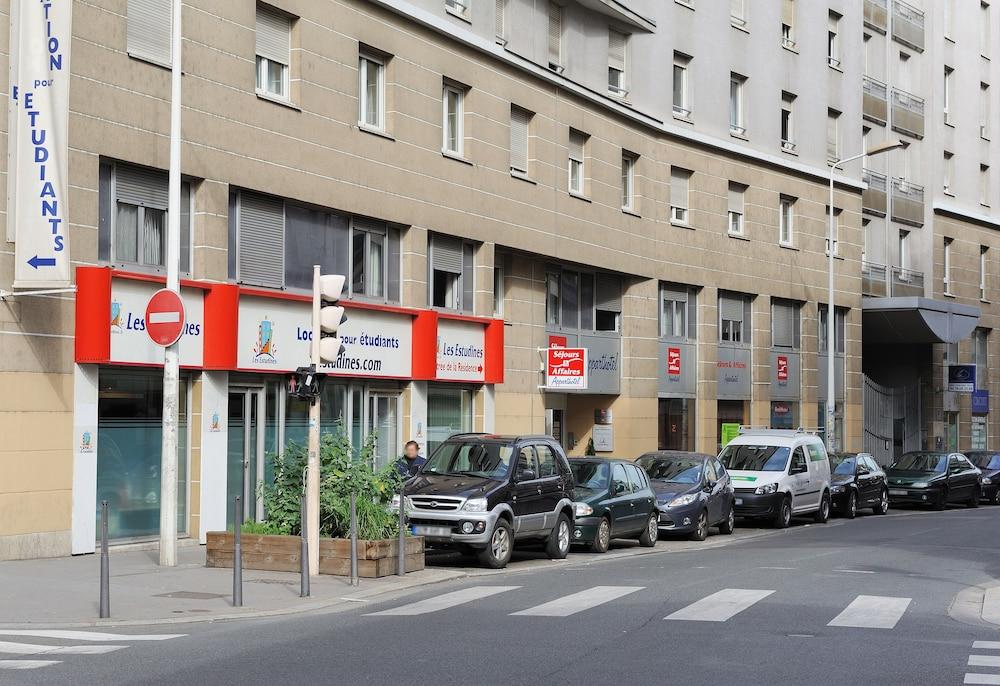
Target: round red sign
(165, 317)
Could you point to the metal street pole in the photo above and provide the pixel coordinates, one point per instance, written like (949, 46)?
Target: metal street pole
(168, 449)
(312, 469)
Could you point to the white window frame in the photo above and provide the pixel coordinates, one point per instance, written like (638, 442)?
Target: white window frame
(628, 181)
(904, 250)
(459, 8)
(985, 110)
(578, 165)
(459, 93)
(946, 272)
(984, 185)
(736, 226)
(620, 89)
(833, 41)
(680, 203)
(262, 64)
(786, 222)
(832, 136)
(737, 83)
(365, 62)
(738, 13)
(555, 16)
(837, 214)
(683, 108)
(948, 72)
(515, 113)
(983, 264)
(788, 106)
(948, 173)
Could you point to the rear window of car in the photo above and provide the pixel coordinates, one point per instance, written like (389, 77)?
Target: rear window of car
(755, 458)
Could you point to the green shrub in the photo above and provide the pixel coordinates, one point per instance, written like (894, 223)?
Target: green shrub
(267, 528)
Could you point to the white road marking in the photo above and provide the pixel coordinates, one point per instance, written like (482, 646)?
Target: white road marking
(26, 664)
(86, 635)
(872, 612)
(982, 679)
(36, 649)
(780, 568)
(986, 645)
(444, 601)
(578, 602)
(720, 606)
(984, 660)
(164, 317)
(854, 571)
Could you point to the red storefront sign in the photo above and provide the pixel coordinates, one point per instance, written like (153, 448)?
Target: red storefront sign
(782, 368)
(674, 361)
(566, 368)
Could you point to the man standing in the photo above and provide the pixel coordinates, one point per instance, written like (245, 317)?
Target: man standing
(411, 462)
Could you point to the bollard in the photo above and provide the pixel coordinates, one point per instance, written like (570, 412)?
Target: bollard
(238, 556)
(105, 571)
(304, 551)
(401, 562)
(354, 543)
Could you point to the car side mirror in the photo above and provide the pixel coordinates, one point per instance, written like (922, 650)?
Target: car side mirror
(526, 475)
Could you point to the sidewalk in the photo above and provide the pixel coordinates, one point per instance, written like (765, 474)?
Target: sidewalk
(66, 591)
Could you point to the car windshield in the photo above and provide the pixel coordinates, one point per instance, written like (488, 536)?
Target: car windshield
(987, 460)
(682, 470)
(755, 458)
(922, 462)
(844, 465)
(488, 460)
(592, 476)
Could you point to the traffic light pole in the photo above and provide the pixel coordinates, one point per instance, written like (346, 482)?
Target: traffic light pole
(312, 470)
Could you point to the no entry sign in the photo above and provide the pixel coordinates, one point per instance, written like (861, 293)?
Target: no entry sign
(165, 317)
(566, 368)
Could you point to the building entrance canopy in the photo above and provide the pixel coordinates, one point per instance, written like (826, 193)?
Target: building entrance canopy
(917, 320)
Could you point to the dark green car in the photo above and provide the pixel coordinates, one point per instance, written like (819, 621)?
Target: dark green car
(613, 500)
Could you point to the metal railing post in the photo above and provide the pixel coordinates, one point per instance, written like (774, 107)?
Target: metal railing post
(105, 564)
(304, 551)
(354, 541)
(238, 555)
(401, 562)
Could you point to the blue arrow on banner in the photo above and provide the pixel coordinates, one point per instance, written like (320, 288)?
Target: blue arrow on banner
(37, 261)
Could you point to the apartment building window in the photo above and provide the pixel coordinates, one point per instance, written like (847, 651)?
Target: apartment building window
(837, 214)
(737, 12)
(147, 29)
(680, 182)
(273, 52)
(371, 91)
(682, 103)
(555, 36)
(628, 181)
(459, 8)
(904, 250)
(948, 72)
(787, 122)
(520, 123)
(832, 136)
(452, 267)
(737, 194)
(736, 84)
(453, 101)
(499, 286)
(833, 41)
(786, 213)
(788, 24)
(948, 172)
(984, 29)
(617, 63)
(678, 308)
(946, 272)
(866, 42)
(577, 146)
(582, 300)
(984, 253)
(980, 339)
(133, 217)
(500, 20)
(785, 324)
(374, 247)
(840, 325)
(734, 318)
(984, 185)
(260, 235)
(984, 111)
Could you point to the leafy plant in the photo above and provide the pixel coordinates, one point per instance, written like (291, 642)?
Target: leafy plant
(267, 528)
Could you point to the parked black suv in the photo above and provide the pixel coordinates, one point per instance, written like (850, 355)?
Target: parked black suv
(482, 493)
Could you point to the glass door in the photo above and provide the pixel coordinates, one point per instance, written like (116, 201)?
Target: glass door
(383, 424)
(245, 462)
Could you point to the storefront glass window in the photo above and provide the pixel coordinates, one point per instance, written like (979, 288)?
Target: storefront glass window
(676, 425)
(129, 437)
(730, 412)
(449, 411)
(783, 414)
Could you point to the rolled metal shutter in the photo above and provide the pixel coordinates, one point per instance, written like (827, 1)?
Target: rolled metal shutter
(273, 36)
(446, 254)
(261, 240)
(138, 186)
(147, 29)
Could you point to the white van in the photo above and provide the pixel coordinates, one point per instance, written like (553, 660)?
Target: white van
(777, 473)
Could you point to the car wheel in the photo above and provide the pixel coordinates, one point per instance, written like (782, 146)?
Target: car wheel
(557, 547)
(501, 545)
(823, 513)
(942, 500)
(727, 526)
(602, 539)
(851, 509)
(974, 498)
(651, 532)
(784, 516)
(883, 503)
(700, 532)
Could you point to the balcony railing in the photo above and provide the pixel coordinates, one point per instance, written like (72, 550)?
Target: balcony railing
(879, 281)
(874, 100)
(906, 282)
(873, 281)
(877, 14)
(873, 198)
(908, 25)
(907, 202)
(907, 113)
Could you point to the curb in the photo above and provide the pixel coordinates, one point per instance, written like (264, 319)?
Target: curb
(978, 605)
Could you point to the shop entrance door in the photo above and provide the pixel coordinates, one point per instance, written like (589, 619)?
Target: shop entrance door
(383, 424)
(245, 465)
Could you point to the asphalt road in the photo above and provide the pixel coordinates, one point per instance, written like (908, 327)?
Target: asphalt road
(851, 602)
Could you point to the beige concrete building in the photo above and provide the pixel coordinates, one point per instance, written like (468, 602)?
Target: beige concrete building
(492, 185)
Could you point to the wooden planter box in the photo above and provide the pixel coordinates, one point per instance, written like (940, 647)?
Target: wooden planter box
(281, 554)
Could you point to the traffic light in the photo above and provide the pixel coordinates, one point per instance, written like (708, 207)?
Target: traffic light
(331, 316)
(304, 383)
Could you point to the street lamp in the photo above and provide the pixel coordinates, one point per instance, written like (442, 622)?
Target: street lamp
(831, 312)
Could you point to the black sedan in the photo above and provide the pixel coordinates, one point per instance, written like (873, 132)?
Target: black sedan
(856, 481)
(988, 462)
(693, 492)
(935, 479)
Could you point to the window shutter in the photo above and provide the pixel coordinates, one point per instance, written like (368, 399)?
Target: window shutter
(138, 186)
(148, 29)
(273, 40)
(616, 50)
(731, 308)
(736, 198)
(609, 293)
(674, 293)
(519, 139)
(576, 142)
(783, 324)
(500, 18)
(555, 33)
(261, 240)
(446, 254)
(679, 187)
(586, 301)
(788, 12)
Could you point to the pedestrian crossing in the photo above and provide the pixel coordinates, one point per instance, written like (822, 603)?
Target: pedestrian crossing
(984, 659)
(84, 643)
(862, 612)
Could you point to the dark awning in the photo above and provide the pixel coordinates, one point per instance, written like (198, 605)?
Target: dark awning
(916, 320)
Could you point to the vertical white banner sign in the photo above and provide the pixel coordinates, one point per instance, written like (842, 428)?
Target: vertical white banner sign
(39, 142)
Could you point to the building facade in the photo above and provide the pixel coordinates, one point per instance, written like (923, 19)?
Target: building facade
(646, 179)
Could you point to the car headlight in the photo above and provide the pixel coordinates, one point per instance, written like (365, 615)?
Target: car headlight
(836, 489)
(475, 505)
(683, 500)
(919, 484)
(583, 509)
(766, 489)
(987, 481)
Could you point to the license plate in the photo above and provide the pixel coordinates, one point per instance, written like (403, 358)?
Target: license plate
(739, 501)
(897, 491)
(431, 531)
